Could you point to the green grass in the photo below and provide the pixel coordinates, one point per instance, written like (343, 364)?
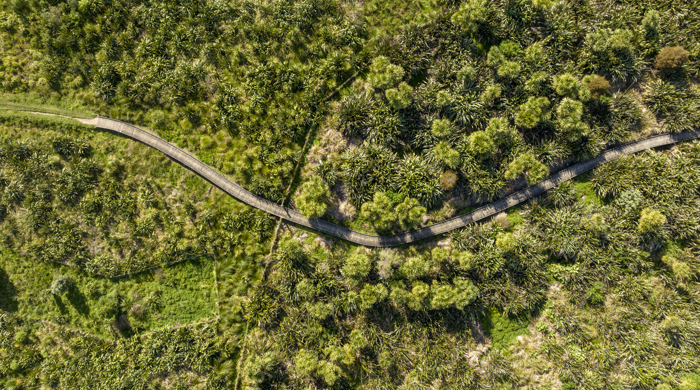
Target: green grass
(176, 295)
(26, 102)
(503, 329)
(388, 17)
(584, 187)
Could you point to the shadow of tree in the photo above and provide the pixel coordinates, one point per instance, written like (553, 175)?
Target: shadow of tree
(78, 300)
(8, 292)
(61, 306)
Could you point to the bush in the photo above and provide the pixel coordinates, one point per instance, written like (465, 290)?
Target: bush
(305, 363)
(566, 85)
(532, 112)
(446, 155)
(598, 85)
(527, 163)
(651, 221)
(372, 294)
(357, 266)
(594, 295)
(383, 74)
(506, 242)
(61, 284)
(671, 58)
(509, 69)
(448, 180)
(415, 267)
(400, 98)
(472, 15)
(480, 144)
(311, 197)
(379, 211)
(538, 83)
(690, 382)
(569, 114)
(491, 93)
(441, 128)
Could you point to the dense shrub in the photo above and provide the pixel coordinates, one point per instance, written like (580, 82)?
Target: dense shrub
(311, 197)
(671, 58)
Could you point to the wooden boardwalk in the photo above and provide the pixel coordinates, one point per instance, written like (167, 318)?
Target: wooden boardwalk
(344, 233)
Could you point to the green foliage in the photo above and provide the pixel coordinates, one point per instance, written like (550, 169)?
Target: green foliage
(311, 197)
(569, 119)
(629, 200)
(503, 329)
(506, 242)
(400, 98)
(416, 179)
(491, 93)
(509, 69)
(372, 294)
(611, 53)
(533, 112)
(441, 128)
(357, 266)
(598, 85)
(538, 83)
(595, 295)
(472, 15)
(446, 155)
(384, 213)
(481, 144)
(528, 164)
(650, 221)
(566, 85)
(383, 74)
(61, 284)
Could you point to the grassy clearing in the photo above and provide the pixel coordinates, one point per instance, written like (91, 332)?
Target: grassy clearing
(586, 191)
(176, 295)
(30, 102)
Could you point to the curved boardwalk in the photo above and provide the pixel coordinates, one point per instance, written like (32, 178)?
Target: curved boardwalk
(484, 212)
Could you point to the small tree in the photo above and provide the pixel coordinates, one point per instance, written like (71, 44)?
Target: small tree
(372, 294)
(491, 93)
(650, 221)
(61, 284)
(442, 296)
(569, 115)
(527, 163)
(671, 58)
(448, 180)
(532, 112)
(311, 197)
(506, 242)
(357, 266)
(472, 15)
(598, 85)
(441, 128)
(379, 212)
(566, 85)
(400, 98)
(465, 292)
(415, 267)
(509, 70)
(446, 155)
(538, 83)
(409, 213)
(383, 74)
(480, 144)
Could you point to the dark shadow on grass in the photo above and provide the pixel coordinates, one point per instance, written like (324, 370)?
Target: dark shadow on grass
(78, 300)
(61, 306)
(8, 293)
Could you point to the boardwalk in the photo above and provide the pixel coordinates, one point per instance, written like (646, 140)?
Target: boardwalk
(325, 227)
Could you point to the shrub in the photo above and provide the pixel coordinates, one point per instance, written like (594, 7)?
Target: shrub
(491, 93)
(682, 271)
(400, 98)
(416, 178)
(569, 115)
(415, 267)
(441, 128)
(509, 69)
(442, 296)
(510, 49)
(480, 144)
(532, 112)
(409, 213)
(650, 221)
(594, 295)
(357, 266)
(506, 242)
(690, 382)
(566, 85)
(527, 163)
(596, 224)
(372, 294)
(383, 74)
(650, 24)
(598, 85)
(206, 142)
(472, 15)
(311, 197)
(61, 284)
(465, 292)
(448, 180)
(446, 155)
(629, 200)
(671, 58)
(535, 55)
(305, 363)
(495, 57)
(379, 211)
(537, 84)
